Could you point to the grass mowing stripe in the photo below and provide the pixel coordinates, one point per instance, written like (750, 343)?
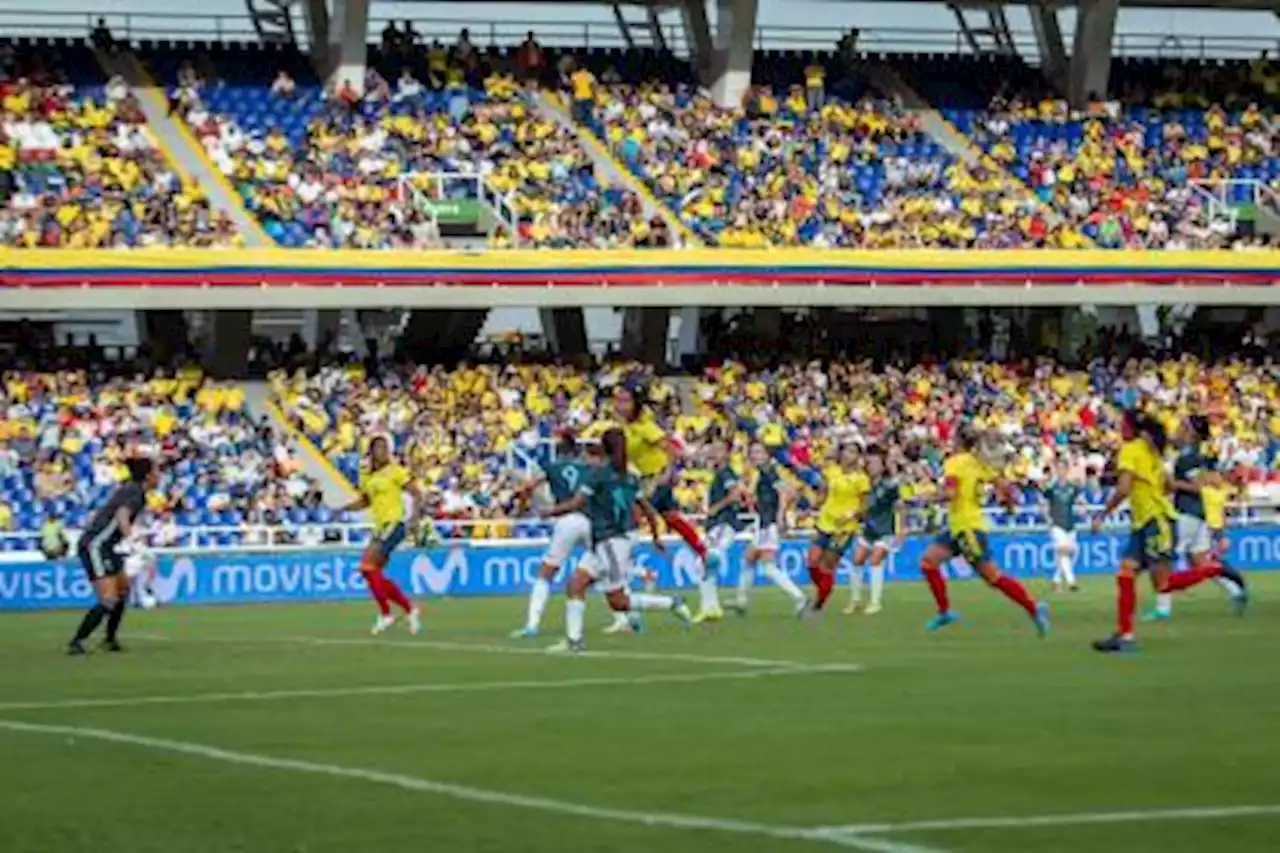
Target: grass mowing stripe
(463, 792)
(403, 689)
(1067, 819)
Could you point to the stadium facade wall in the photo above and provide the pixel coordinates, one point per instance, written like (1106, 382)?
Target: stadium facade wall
(326, 574)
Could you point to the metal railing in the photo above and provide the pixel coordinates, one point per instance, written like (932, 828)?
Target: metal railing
(134, 26)
(446, 186)
(313, 536)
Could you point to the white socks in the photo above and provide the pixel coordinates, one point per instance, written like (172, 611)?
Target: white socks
(877, 584)
(855, 583)
(1065, 573)
(651, 601)
(1164, 602)
(575, 613)
(782, 579)
(746, 579)
(537, 603)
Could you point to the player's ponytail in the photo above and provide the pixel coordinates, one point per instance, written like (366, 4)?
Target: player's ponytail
(614, 443)
(568, 444)
(139, 467)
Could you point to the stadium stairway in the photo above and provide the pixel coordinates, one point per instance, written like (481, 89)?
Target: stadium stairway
(183, 149)
(609, 169)
(950, 137)
(259, 401)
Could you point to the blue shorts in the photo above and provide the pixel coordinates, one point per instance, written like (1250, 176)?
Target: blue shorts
(834, 543)
(1151, 544)
(388, 540)
(970, 544)
(661, 497)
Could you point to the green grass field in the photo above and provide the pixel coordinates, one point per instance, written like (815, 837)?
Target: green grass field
(290, 729)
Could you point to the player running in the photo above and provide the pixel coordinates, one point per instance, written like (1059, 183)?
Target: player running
(609, 496)
(770, 498)
(99, 553)
(1062, 499)
(841, 491)
(965, 474)
(652, 452)
(382, 491)
(725, 499)
(1193, 474)
(563, 476)
(883, 522)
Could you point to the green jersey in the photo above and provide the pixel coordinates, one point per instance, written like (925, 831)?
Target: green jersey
(881, 516)
(1062, 499)
(768, 501)
(611, 502)
(721, 485)
(565, 477)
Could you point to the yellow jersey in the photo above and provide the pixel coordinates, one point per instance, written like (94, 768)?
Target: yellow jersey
(966, 475)
(384, 490)
(846, 492)
(1149, 498)
(647, 446)
(1215, 500)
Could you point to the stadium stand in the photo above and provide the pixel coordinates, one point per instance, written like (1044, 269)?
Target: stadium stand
(64, 436)
(80, 167)
(472, 433)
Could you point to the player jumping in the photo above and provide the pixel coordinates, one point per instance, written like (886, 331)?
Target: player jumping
(563, 476)
(965, 475)
(382, 491)
(609, 497)
(884, 520)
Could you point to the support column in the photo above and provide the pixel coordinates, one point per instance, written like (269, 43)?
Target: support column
(565, 330)
(444, 335)
(644, 334)
(697, 33)
(348, 47)
(226, 346)
(316, 14)
(1053, 55)
(1091, 50)
(165, 334)
(735, 45)
(767, 324)
(320, 328)
(691, 342)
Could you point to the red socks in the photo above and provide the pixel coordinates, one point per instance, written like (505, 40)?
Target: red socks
(392, 590)
(679, 524)
(824, 581)
(938, 586)
(1190, 577)
(1126, 601)
(385, 591)
(1017, 593)
(374, 580)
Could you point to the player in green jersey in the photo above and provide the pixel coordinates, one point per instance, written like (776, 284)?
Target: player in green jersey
(883, 520)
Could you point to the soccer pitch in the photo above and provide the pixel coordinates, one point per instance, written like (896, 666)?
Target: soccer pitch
(291, 729)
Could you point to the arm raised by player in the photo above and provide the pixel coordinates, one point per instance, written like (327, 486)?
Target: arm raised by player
(651, 519)
(786, 497)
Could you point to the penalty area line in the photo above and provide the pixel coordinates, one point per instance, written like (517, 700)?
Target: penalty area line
(468, 793)
(1065, 819)
(419, 688)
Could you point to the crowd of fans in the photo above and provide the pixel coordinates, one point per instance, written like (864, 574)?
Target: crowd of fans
(79, 167)
(333, 167)
(64, 437)
(473, 434)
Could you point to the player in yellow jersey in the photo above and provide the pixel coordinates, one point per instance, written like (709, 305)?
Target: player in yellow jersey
(653, 455)
(382, 491)
(966, 474)
(842, 493)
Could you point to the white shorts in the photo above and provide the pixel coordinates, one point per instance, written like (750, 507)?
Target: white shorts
(1194, 536)
(720, 537)
(885, 543)
(1064, 539)
(568, 532)
(766, 538)
(610, 565)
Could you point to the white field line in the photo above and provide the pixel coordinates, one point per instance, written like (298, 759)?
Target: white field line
(467, 793)
(408, 689)
(1066, 819)
(492, 648)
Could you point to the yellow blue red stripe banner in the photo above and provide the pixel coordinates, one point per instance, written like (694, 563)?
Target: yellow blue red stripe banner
(36, 268)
